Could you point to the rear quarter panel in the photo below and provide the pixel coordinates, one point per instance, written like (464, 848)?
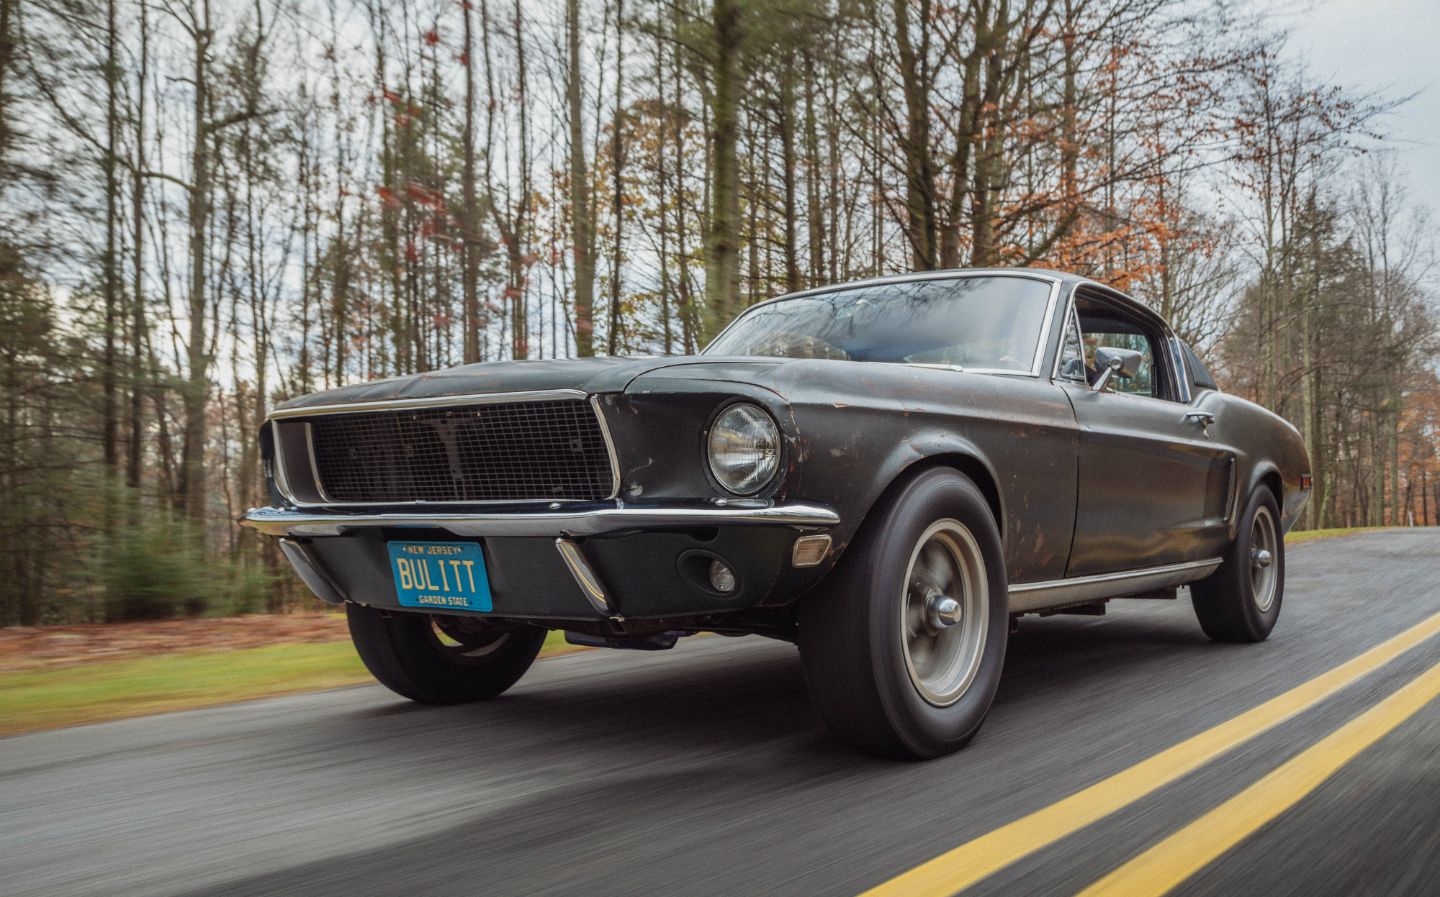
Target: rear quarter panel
(1265, 444)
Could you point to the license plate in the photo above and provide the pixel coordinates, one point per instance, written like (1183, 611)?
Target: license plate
(440, 575)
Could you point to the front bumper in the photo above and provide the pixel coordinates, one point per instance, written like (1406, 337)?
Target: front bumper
(594, 563)
(588, 522)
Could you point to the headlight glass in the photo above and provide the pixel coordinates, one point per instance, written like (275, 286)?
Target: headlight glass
(744, 449)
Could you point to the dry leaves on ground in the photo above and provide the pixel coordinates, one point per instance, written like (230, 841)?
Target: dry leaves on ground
(48, 647)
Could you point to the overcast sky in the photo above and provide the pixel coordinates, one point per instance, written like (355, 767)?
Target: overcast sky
(1392, 46)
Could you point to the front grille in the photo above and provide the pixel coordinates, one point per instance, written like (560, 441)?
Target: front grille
(509, 451)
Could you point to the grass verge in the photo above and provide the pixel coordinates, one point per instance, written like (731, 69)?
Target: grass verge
(1297, 537)
(31, 700)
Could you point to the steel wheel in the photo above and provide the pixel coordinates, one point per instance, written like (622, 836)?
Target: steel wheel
(904, 656)
(945, 612)
(1240, 601)
(1263, 540)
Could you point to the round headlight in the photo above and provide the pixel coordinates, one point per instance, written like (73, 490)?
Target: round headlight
(744, 449)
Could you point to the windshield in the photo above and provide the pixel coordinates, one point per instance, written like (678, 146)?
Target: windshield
(974, 322)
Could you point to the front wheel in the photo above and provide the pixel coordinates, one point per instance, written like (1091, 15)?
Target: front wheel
(1240, 601)
(902, 658)
(441, 659)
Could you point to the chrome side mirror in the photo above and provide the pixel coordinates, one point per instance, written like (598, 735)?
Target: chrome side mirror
(1123, 363)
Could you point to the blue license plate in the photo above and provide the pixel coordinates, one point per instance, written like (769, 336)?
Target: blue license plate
(440, 575)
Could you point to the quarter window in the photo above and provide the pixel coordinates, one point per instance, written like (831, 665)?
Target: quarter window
(1072, 351)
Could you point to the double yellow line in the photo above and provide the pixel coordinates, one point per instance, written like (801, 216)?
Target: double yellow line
(1174, 859)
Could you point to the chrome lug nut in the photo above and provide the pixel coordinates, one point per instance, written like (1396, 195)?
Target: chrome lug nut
(943, 611)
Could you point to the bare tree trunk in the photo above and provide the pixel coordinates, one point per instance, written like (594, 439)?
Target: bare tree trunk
(722, 237)
(582, 222)
(685, 301)
(1069, 114)
(519, 318)
(8, 10)
(615, 331)
(786, 117)
(138, 380)
(662, 196)
(110, 438)
(920, 213)
(1424, 498)
(470, 225)
(197, 385)
(814, 209)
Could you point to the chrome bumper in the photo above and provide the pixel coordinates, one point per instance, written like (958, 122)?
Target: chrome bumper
(554, 524)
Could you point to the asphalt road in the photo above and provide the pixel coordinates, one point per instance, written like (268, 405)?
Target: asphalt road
(703, 771)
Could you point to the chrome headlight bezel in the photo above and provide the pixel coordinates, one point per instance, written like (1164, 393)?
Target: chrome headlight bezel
(737, 430)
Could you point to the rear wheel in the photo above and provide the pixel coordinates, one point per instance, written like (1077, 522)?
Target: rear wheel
(441, 659)
(903, 656)
(1240, 601)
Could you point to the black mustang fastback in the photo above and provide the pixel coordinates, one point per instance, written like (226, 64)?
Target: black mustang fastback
(884, 472)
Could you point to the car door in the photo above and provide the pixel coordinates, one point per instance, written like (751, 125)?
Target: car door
(1153, 485)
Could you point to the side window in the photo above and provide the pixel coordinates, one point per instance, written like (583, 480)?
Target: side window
(1072, 352)
(1143, 383)
(1116, 326)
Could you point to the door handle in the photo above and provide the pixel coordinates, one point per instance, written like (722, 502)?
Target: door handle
(1203, 418)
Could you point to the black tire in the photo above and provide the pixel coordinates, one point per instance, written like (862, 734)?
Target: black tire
(857, 636)
(1240, 601)
(405, 653)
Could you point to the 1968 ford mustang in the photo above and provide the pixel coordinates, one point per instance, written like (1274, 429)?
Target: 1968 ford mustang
(885, 472)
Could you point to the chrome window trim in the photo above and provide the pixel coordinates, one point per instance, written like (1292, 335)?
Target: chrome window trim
(1074, 318)
(1043, 342)
(1180, 368)
(465, 400)
(1041, 345)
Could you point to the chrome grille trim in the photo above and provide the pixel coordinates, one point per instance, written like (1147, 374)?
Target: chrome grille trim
(288, 416)
(476, 398)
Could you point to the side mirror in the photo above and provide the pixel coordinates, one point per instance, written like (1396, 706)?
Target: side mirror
(1115, 362)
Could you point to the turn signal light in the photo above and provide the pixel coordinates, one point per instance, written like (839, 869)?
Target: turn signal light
(809, 551)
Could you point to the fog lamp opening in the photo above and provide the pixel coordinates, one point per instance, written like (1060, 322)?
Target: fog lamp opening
(722, 578)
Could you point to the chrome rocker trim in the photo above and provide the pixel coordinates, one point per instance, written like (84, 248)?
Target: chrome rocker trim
(1033, 596)
(553, 524)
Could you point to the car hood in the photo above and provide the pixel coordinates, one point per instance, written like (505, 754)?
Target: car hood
(591, 375)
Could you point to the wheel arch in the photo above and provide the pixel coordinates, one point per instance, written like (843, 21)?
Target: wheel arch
(967, 461)
(1270, 477)
(1264, 475)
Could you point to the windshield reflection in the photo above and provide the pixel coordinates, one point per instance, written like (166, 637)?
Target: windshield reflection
(974, 322)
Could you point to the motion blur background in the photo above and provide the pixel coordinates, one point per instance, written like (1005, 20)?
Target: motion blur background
(209, 207)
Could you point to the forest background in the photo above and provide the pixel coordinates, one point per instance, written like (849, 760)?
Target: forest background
(207, 207)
